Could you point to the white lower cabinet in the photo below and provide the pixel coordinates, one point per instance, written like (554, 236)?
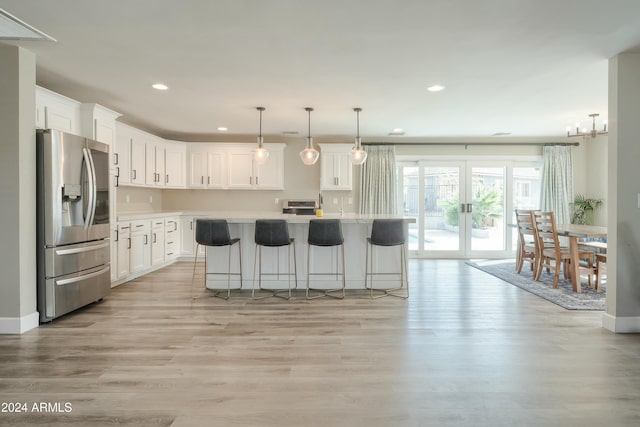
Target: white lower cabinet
(157, 241)
(188, 237)
(123, 249)
(171, 238)
(140, 255)
(144, 245)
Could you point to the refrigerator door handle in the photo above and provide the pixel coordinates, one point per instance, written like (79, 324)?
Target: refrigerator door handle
(81, 250)
(92, 188)
(80, 278)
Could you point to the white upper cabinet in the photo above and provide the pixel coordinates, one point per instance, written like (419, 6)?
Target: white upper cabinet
(146, 160)
(155, 161)
(240, 167)
(206, 166)
(244, 173)
(174, 164)
(54, 111)
(138, 158)
(99, 123)
(122, 154)
(336, 172)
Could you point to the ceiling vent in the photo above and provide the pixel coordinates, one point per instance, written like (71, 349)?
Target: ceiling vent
(12, 28)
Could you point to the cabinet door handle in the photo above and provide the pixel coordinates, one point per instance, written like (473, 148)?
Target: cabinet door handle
(202, 179)
(250, 180)
(129, 243)
(208, 180)
(134, 173)
(115, 158)
(191, 225)
(469, 207)
(117, 235)
(117, 180)
(257, 183)
(146, 239)
(155, 238)
(166, 180)
(175, 225)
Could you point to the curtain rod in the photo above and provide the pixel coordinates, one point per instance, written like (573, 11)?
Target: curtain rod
(471, 144)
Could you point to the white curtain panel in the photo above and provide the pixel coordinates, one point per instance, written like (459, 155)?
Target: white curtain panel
(557, 182)
(378, 181)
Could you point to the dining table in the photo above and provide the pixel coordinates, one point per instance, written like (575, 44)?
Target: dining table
(574, 232)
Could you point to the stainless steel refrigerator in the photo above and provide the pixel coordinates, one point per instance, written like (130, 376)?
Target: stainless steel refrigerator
(72, 222)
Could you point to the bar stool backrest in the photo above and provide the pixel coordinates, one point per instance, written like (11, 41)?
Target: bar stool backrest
(387, 232)
(325, 232)
(272, 232)
(212, 232)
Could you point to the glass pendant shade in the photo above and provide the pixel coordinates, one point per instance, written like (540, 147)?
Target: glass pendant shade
(309, 155)
(260, 154)
(358, 155)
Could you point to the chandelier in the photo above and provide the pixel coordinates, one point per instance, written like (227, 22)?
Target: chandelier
(593, 133)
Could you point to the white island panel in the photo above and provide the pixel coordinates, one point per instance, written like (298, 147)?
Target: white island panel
(355, 228)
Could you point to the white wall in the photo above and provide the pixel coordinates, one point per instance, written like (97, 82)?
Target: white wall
(623, 252)
(590, 172)
(17, 190)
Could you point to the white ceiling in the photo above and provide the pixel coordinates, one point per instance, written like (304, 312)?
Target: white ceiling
(528, 67)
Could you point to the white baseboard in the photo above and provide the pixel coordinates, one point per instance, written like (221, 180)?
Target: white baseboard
(19, 325)
(621, 325)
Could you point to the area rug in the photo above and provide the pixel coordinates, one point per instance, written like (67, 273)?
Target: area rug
(564, 296)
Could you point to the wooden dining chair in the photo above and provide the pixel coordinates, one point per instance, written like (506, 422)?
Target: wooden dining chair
(553, 256)
(601, 263)
(527, 248)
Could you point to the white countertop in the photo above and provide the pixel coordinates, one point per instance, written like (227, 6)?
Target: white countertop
(246, 217)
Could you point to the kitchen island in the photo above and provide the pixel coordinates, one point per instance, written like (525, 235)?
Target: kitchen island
(355, 228)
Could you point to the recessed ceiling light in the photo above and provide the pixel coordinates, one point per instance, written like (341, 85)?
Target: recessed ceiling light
(397, 131)
(160, 86)
(435, 88)
(222, 128)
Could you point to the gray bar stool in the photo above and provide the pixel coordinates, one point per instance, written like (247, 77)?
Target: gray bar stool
(387, 232)
(215, 233)
(325, 233)
(273, 233)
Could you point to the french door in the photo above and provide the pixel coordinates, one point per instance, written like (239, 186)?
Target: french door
(463, 207)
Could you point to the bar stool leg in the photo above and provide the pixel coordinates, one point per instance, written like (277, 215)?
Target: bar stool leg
(193, 276)
(257, 259)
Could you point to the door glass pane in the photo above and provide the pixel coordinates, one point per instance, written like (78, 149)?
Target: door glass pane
(526, 193)
(410, 205)
(487, 216)
(441, 208)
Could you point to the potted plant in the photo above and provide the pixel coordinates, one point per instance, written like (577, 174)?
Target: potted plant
(487, 206)
(584, 208)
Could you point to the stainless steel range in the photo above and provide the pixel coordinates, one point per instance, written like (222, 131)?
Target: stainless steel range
(299, 207)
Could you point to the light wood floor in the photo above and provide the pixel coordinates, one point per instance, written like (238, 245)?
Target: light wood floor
(465, 350)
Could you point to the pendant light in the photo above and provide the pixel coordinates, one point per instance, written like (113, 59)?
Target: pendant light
(260, 154)
(358, 155)
(309, 155)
